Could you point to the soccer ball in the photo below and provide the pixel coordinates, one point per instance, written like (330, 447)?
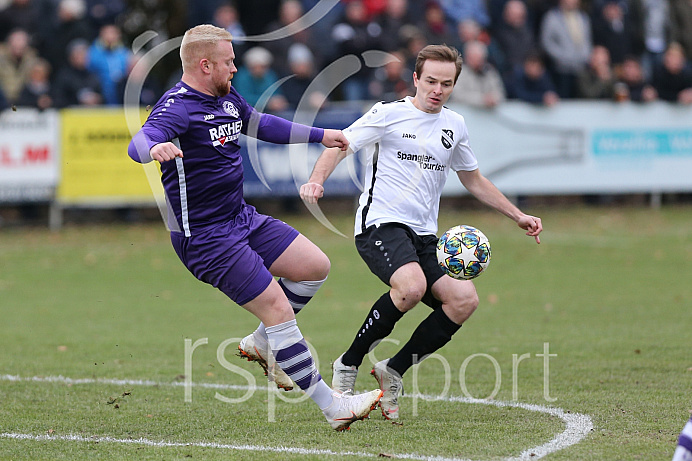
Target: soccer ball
(463, 252)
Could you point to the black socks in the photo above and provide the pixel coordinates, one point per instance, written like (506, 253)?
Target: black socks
(432, 333)
(379, 323)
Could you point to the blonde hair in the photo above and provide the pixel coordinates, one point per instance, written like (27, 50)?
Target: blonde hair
(199, 43)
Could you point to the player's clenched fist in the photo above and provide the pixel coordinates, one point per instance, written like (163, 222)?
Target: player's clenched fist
(165, 151)
(311, 192)
(335, 138)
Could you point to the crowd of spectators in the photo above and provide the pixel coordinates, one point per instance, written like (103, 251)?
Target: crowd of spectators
(60, 53)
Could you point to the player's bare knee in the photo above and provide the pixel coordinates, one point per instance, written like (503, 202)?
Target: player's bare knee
(322, 267)
(471, 303)
(406, 297)
(461, 303)
(315, 268)
(464, 306)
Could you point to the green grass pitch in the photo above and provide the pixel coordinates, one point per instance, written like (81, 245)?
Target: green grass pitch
(608, 291)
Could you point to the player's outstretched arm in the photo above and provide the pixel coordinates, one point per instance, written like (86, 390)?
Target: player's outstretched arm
(313, 190)
(486, 192)
(270, 128)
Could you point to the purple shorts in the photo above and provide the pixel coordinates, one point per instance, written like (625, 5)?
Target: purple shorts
(235, 256)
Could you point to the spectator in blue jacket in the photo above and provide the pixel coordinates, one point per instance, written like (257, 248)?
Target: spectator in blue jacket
(673, 78)
(461, 10)
(109, 60)
(532, 83)
(632, 85)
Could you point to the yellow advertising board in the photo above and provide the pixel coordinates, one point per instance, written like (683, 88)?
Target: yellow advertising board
(95, 166)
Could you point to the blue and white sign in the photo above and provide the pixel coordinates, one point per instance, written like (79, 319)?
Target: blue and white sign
(277, 170)
(582, 147)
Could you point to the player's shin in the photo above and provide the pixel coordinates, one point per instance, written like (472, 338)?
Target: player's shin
(434, 331)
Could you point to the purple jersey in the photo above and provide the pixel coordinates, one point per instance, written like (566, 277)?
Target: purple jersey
(205, 187)
(220, 239)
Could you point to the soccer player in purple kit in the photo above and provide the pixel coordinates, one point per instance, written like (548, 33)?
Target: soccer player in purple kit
(193, 132)
(683, 452)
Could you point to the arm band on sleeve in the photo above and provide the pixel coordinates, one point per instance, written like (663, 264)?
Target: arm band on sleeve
(139, 148)
(281, 131)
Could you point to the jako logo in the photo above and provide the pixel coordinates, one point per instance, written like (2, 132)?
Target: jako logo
(208, 117)
(408, 136)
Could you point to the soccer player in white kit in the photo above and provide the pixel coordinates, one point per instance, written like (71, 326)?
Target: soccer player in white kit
(411, 146)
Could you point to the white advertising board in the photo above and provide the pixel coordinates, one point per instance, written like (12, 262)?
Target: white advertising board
(582, 148)
(29, 154)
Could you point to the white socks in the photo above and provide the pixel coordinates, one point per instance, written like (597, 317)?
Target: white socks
(293, 356)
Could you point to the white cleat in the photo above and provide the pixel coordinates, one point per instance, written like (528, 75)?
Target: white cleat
(343, 376)
(347, 408)
(391, 385)
(254, 352)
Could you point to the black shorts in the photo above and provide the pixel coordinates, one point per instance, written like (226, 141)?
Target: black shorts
(391, 245)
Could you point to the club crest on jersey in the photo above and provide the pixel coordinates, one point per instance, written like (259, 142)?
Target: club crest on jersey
(230, 109)
(447, 138)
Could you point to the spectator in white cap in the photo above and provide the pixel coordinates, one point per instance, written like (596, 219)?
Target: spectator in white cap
(297, 88)
(255, 77)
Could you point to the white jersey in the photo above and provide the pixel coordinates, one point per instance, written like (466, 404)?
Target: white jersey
(409, 156)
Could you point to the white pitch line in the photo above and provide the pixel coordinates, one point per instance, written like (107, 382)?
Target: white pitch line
(577, 425)
(127, 382)
(151, 443)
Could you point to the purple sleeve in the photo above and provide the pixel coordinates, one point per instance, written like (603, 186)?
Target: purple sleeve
(139, 148)
(270, 128)
(166, 122)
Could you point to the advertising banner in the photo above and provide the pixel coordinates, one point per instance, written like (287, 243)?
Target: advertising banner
(582, 147)
(280, 170)
(29, 155)
(95, 166)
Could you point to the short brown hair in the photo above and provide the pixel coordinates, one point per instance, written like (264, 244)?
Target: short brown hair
(200, 42)
(442, 53)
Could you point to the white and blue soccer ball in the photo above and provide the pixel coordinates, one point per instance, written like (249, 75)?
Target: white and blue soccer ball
(463, 252)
